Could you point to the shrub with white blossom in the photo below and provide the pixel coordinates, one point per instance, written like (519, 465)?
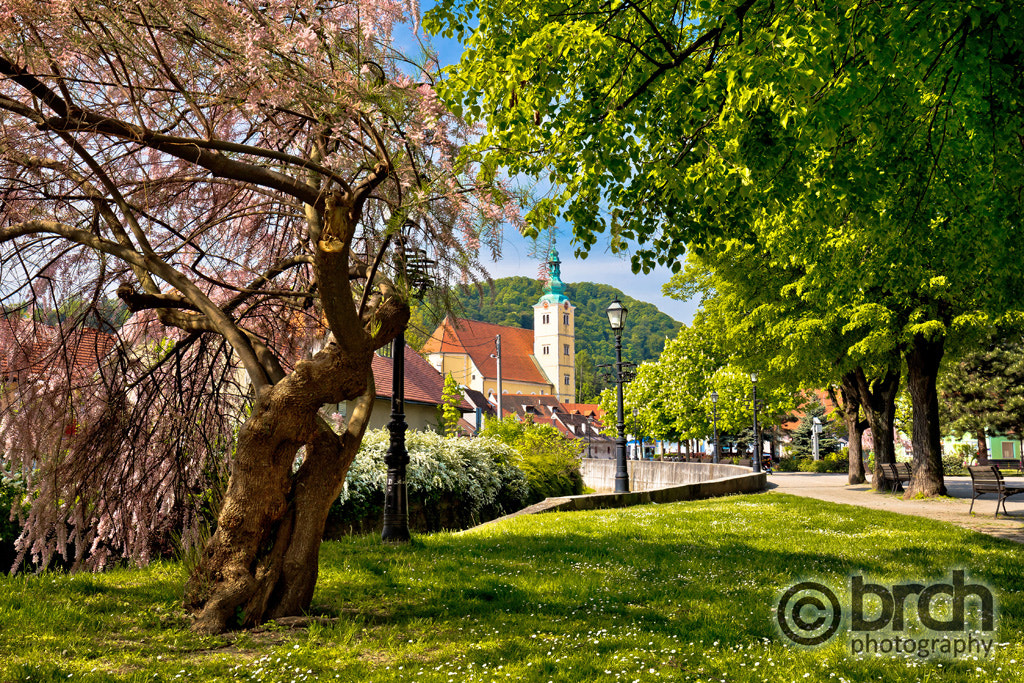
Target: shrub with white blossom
(476, 475)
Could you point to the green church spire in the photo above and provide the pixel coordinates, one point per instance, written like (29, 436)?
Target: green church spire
(554, 290)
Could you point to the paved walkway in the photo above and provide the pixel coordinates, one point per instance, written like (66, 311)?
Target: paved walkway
(833, 488)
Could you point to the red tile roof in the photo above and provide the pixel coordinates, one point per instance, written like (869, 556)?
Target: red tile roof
(31, 347)
(458, 335)
(523, 405)
(792, 420)
(591, 409)
(423, 384)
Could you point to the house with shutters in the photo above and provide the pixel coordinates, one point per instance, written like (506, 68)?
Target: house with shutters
(537, 362)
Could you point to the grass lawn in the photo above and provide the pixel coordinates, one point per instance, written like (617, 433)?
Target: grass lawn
(679, 592)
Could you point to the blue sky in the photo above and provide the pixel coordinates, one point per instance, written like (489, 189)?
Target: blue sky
(605, 268)
(600, 265)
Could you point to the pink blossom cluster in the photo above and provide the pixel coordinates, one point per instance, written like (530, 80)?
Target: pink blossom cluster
(174, 157)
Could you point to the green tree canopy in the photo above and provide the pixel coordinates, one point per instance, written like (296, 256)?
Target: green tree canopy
(449, 412)
(672, 396)
(871, 147)
(802, 444)
(984, 391)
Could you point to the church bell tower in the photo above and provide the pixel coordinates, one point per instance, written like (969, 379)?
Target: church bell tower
(554, 333)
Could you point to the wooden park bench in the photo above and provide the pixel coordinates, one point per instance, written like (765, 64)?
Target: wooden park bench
(988, 479)
(1006, 463)
(895, 475)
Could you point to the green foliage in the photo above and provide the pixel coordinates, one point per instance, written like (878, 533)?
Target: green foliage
(587, 378)
(787, 464)
(802, 446)
(550, 461)
(450, 415)
(12, 497)
(527, 598)
(672, 396)
(836, 462)
(479, 474)
(984, 391)
(798, 109)
(955, 462)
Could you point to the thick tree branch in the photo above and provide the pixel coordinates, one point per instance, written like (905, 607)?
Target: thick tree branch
(333, 253)
(139, 302)
(72, 119)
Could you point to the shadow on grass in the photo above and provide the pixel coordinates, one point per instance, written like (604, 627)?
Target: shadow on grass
(710, 569)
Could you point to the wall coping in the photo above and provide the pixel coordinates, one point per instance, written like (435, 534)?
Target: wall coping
(748, 482)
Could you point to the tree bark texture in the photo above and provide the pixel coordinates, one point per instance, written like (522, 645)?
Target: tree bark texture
(261, 562)
(923, 358)
(878, 398)
(982, 450)
(854, 427)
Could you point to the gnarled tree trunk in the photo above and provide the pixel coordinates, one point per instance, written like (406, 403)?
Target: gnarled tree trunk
(923, 360)
(854, 425)
(878, 397)
(261, 562)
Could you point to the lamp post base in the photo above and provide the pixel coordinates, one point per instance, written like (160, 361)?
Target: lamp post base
(396, 510)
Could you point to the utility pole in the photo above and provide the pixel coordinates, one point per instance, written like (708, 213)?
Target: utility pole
(497, 355)
(815, 432)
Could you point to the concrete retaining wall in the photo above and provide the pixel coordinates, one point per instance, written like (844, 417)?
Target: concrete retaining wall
(653, 482)
(646, 475)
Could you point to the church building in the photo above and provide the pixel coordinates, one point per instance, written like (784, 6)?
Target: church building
(539, 362)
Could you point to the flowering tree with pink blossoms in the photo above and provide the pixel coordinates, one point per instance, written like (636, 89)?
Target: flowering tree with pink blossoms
(239, 175)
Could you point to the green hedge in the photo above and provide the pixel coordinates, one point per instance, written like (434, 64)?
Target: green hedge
(12, 493)
(550, 461)
(956, 461)
(832, 462)
(452, 483)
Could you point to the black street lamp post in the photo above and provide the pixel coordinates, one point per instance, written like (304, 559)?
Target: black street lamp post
(617, 319)
(414, 265)
(757, 437)
(714, 419)
(396, 495)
